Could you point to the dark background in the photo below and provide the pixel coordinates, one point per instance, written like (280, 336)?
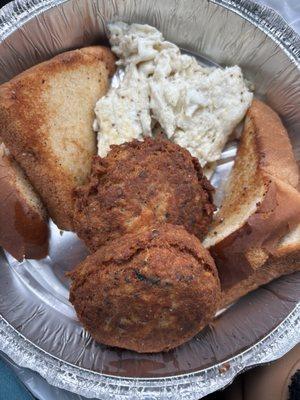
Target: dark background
(3, 2)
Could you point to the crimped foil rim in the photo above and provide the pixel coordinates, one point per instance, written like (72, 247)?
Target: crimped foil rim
(269, 20)
(191, 386)
(188, 386)
(16, 13)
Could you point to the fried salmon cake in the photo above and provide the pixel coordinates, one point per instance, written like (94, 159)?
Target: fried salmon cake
(139, 184)
(150, 291)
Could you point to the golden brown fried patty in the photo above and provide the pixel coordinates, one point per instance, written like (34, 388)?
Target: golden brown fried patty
(139, 184)
(150, 291)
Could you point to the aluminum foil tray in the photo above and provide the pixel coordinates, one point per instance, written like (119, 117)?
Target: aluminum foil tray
(38, 326)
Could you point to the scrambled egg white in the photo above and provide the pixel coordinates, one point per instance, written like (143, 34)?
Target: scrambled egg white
(197, 107)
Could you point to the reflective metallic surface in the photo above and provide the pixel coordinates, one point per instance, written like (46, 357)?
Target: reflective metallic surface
(39, 328)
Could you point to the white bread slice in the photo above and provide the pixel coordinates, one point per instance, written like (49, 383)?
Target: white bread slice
(46, 118)
(286, 261)
(23, 218)
(289, 244)
(261, 203)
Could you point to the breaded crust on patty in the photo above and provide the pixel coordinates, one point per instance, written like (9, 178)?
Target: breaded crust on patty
(140, 184)
(148, 292)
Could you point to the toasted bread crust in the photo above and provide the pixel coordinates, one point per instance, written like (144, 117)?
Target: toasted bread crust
(244, 251)
(274, 268)
(240, 251)
(289, 244)
(102, 54)
(23, 227)
(46, 116)
(275, 152)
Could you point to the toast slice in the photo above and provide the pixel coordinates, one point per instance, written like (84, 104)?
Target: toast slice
(289, 244)
(46, 118)
(23, 218)
(261, 202)
(286, 261)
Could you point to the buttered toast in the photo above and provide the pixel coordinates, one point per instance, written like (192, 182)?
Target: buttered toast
(46, 118)
(261, 203)
(23, 218)
(286, 261)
